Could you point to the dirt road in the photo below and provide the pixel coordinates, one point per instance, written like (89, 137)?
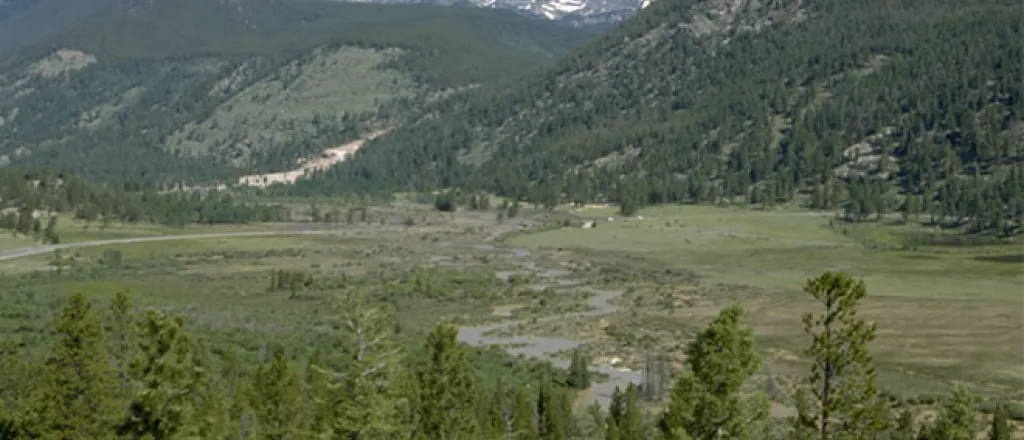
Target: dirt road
(329, 157)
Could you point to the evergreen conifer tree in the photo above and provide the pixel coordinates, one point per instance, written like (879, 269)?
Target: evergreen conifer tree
(632, 426)
(551, 420)
(76, 398)
(1001, 428)
(168, 381)
(448, 389)
(524, 417)
(579, 375)
(706, 402)
(842, 380)
(277, 400)
(365, 399)
(957, 418)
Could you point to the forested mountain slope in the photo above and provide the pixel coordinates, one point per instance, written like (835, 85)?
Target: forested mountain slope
(191, 90)
(870, 106)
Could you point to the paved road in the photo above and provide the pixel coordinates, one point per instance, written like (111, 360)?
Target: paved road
(37, 250)
(535, 347)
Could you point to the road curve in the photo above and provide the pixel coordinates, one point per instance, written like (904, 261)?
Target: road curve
(530, 346)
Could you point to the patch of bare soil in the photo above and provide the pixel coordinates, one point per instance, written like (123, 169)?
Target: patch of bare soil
(329, 157)
(62, 61)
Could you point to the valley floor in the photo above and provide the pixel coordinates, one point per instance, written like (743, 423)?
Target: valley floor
(944, 313)
(625, 288)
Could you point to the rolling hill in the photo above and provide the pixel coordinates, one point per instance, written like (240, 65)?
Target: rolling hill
(192, 90)
(868, 107)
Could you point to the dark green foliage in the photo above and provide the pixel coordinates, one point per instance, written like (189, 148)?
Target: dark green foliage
(706, 401)
(48, 192)
(76, 393)
(291, 281)
(905, 427)
(8, 429)
(521, 421)
(632, 425)
(448, 388)
(1001, 428)
(513, 209)
(579, 374)
(445, 202)
(552, 422)
(278, 413)
(851, 107)
(625, 419)
(446, 43)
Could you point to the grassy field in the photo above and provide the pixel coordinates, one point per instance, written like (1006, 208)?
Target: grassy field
(437, 268)
(944, 312)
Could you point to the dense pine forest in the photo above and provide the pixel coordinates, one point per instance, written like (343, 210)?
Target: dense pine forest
(869, 108)
(113, 371)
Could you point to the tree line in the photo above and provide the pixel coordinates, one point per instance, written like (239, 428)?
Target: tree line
(141, 374)
(30, 201)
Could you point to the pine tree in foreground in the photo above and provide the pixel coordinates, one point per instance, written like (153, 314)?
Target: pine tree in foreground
(523, 418)
(76, 398)
(365, 400)
(706, 402)
(957, 418)
(632, 425)
(845, 403)
(551, 420)
(168, 380)
(277, 402)
(1001, 428)
(448, 389)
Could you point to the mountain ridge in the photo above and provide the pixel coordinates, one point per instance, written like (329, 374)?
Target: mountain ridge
(721, 100)
(24, 23)
(225, 98)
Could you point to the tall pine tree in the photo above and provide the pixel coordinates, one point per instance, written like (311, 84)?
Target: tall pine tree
(168, 381)
(845, 401)
(76, 398)
(277, 401)
(706, 403)
(366, 401)
(448, 389)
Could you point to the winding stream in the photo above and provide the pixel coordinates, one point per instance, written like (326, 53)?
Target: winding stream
(529, 346)
(544, 347)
